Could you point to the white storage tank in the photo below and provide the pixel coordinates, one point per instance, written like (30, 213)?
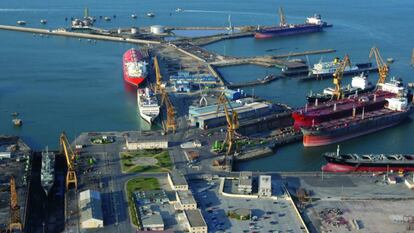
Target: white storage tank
(157, 29)
(134, 31)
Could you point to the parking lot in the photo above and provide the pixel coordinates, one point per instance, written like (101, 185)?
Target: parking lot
(267, 215)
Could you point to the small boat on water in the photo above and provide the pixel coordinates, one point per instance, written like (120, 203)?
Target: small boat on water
(150, 14)
(134, 16)
(106, 18)
(21, 22)
(17, 122)
(43, 21)
(178, 10)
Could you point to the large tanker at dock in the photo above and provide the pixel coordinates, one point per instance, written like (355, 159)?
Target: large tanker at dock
(335, 109)
(338, 162)
(135, 67)
(334, 131)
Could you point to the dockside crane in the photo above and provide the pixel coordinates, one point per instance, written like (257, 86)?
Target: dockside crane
(15, 224)
(70, 161)
(232, 123)
(337, 76)
(282, 17)
(158, 76)
(170, 123)
(381, 65)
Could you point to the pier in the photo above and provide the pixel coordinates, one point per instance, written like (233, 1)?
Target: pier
(77, 35)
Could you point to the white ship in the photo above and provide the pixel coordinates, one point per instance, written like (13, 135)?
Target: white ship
(47, 175)
(327, 68)
(148, 106)
(359, 84)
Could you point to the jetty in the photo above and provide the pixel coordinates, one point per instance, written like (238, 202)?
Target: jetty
(62, 32)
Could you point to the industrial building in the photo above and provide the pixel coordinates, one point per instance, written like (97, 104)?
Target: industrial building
(177, 181)
(196, 222)
(265, 186)
(90, 207)
(185, 200)
(150, 220)
(186, 82)
(207, 117)
(146, 140)
(245, 182)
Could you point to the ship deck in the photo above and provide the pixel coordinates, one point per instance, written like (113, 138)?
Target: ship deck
(344, 122)
(343, 104)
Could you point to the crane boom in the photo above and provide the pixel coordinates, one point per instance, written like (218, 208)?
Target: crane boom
(381, 65)
(232, 123)
(157, 75)
(337, 76)
(170, 123)
(70, 158)
(15, 222)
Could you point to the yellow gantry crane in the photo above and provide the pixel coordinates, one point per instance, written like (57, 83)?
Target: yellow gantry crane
(170, 123)
(158, 76)
(337, 76)
(381, 65)
(232, 123)
(70, 161)
(15, 224)
(282, 17)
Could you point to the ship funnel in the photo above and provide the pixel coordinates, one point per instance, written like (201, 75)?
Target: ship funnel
(306, 107)
(316, 102)
(375, 97)
(363, 113)
(337, 150)
(313, 122)
(334, 107)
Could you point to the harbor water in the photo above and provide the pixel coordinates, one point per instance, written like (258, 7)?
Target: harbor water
(65, 84)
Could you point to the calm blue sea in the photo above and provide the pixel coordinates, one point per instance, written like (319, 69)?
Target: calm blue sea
(63, 84)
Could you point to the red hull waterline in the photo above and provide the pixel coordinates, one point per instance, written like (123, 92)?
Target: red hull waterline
(333, 167)
(310, 140)
(133, 81)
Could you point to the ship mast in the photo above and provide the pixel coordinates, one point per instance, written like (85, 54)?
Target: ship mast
(282, 17)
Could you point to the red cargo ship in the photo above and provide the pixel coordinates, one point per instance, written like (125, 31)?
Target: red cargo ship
(135, 67)
(335, 109)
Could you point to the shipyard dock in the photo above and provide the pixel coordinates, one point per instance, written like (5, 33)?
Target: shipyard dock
(15, 161)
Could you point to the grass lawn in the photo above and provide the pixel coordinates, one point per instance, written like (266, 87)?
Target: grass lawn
(130, 161)
(139, 184)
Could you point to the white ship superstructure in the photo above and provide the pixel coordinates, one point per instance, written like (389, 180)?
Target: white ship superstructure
(324, 68)
(148, 106)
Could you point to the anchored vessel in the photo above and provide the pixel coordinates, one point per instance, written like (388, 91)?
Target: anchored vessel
(367, 163)
(135, 67)
(359, 85)
(148, 106)
(333, 131)
(335, 109)
(47, 175)
(312, 24)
